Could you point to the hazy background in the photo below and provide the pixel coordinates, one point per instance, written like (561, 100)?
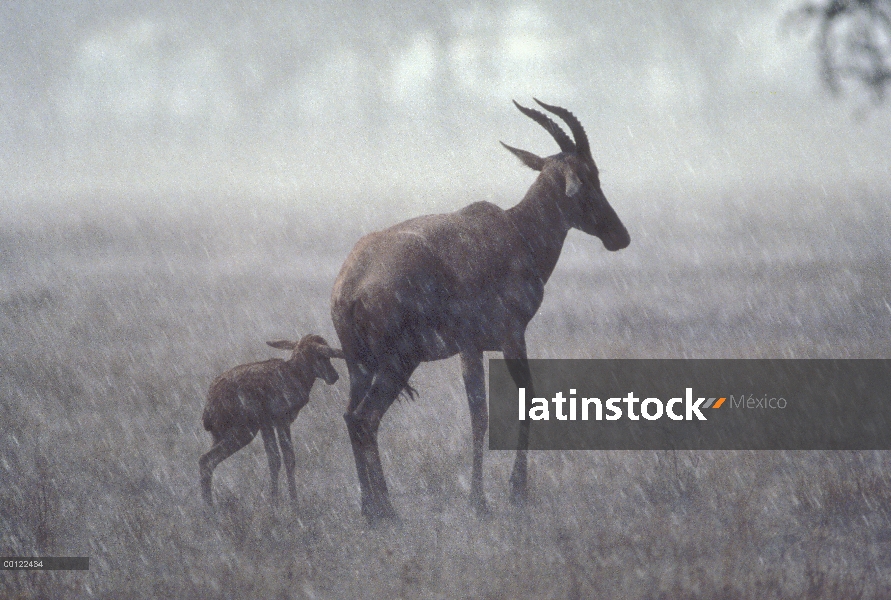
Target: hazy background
(181, 181)
(289, 100)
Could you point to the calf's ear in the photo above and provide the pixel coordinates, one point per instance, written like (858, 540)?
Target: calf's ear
(328, 351)
(283, 344)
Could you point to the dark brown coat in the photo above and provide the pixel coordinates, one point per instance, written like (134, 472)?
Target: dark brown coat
(264, 396)
(460, 283)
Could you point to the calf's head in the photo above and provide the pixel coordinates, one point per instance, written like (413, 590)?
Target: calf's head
(314, 353)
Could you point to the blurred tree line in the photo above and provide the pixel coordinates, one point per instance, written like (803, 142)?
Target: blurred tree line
(854, 42)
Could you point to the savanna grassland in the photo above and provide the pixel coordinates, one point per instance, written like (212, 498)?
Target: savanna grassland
(114, 320)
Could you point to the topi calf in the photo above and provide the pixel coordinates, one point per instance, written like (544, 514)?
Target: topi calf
(264, 396)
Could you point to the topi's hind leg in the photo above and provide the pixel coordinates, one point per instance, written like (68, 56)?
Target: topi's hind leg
(363, 423)
(360, 383)
(228, 443)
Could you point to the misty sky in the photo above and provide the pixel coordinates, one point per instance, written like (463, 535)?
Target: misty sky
(292, 99)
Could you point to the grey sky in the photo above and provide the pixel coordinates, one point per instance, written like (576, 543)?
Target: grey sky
(293, 99)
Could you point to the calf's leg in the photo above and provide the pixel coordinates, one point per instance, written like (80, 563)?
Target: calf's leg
(229, 442)
(275, 459)
(284, 440)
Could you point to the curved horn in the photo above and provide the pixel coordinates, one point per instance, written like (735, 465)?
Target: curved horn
(545, 121)
(578, 132)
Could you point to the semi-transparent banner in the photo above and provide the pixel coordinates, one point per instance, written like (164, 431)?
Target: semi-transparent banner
(693, 405)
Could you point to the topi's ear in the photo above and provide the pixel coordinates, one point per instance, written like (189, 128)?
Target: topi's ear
(573, 184)
(283, 344)
(536, 163)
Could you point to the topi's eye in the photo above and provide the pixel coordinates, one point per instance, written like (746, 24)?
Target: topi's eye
(573, 185)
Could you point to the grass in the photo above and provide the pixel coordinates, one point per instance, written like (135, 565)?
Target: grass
(114, 324)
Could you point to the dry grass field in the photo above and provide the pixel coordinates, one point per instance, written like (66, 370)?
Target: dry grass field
(114, 321)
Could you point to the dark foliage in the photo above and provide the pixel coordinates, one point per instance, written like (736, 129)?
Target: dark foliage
(854, 42)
